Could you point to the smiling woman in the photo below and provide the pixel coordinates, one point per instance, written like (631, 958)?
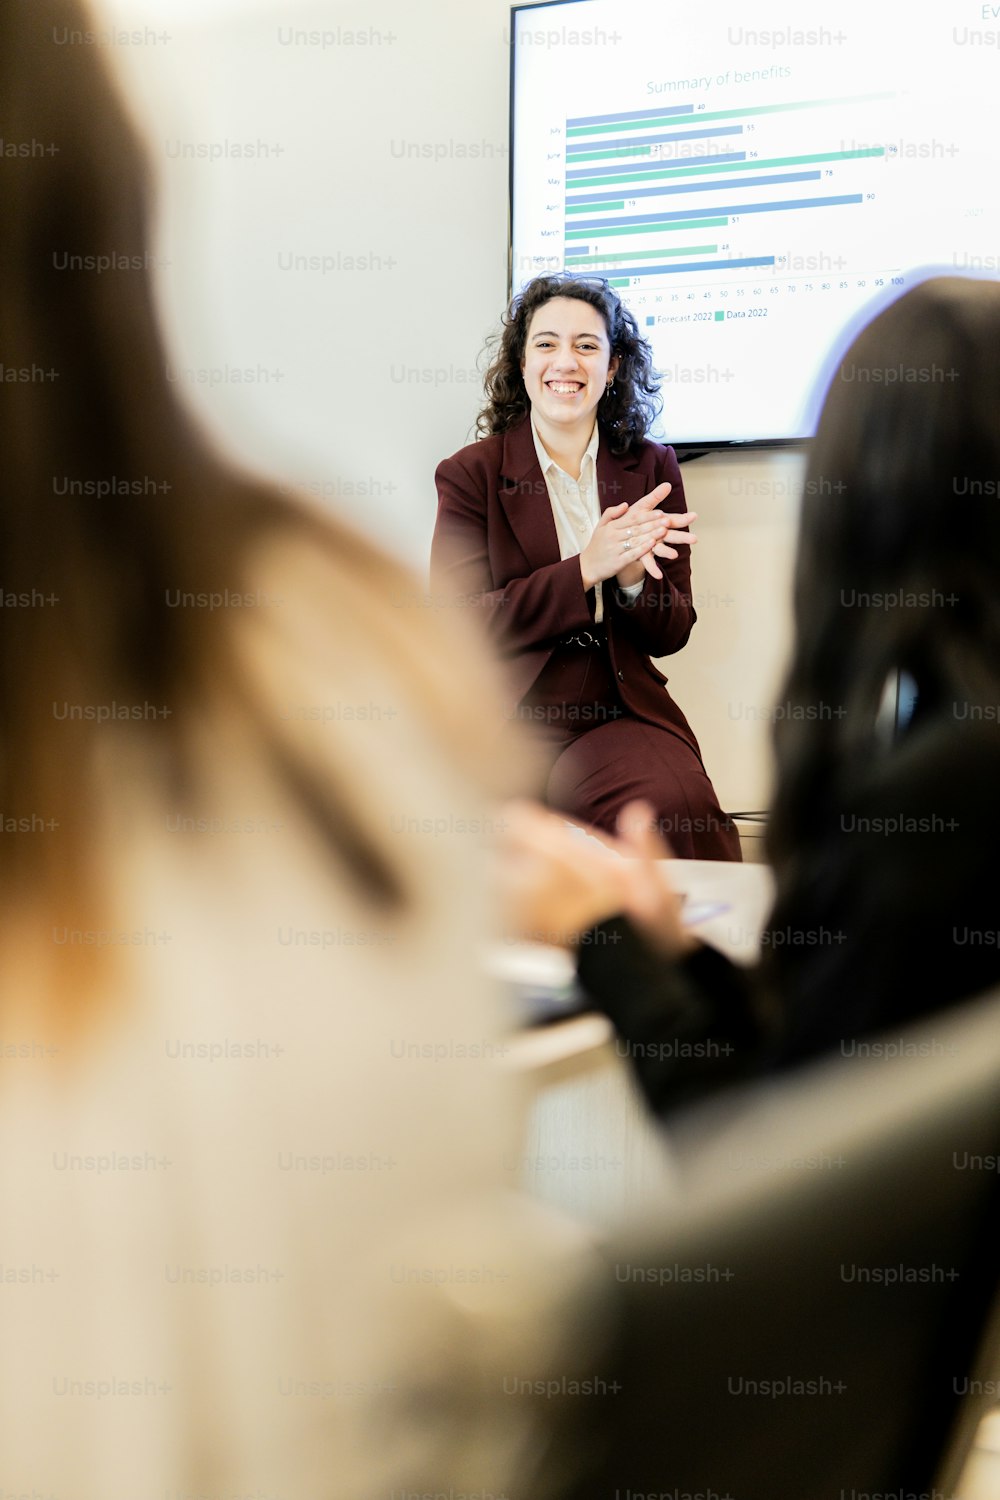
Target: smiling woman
(567, 367)
(553, 528)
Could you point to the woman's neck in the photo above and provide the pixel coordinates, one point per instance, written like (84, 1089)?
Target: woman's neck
(566, 445)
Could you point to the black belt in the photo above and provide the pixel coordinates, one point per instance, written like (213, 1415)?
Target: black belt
(595, 637)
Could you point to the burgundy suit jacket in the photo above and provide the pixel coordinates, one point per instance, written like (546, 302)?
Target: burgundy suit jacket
(495, 550)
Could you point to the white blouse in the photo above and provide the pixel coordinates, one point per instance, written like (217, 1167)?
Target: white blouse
(576, 509)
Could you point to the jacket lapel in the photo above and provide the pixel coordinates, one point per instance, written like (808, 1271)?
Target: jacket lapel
(620, 479)
(525, 498)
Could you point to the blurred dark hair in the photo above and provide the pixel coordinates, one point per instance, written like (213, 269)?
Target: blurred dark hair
(92, 416)
(901, 503)
(625, 414)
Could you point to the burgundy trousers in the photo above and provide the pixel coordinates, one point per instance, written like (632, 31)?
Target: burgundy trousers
(601, 757)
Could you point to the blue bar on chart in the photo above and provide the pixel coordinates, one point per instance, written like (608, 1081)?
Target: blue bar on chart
(573, 204)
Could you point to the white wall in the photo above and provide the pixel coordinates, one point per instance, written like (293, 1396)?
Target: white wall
(396, 150)
(728, 677)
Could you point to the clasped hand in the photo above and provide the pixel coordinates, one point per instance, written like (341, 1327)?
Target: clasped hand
(628, 539)
(554, 885)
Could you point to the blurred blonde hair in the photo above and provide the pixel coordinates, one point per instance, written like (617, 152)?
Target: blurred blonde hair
(113, 498)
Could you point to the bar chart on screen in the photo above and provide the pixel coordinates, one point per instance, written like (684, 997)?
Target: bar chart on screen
(748, 206)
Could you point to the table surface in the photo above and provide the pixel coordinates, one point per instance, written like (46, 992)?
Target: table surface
(746, 892)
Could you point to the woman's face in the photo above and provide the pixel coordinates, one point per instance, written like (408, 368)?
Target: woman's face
(567, 362)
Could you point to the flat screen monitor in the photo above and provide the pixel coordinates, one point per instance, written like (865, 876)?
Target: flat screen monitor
(754, 182)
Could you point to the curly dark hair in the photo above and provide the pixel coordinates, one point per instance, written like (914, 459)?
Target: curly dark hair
(625, 413)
